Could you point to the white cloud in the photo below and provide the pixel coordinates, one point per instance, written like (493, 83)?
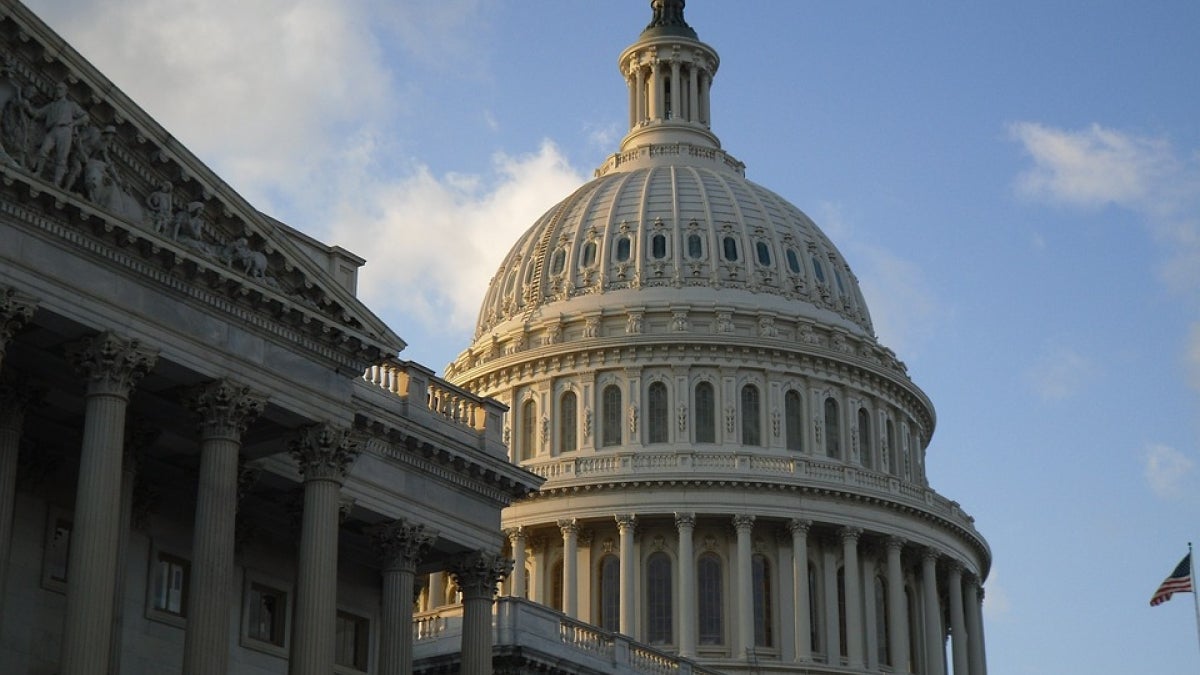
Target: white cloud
(1167, 470)
(1060, 374)
(434, 242)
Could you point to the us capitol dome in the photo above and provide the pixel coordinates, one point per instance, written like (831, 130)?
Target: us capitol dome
(735, 465)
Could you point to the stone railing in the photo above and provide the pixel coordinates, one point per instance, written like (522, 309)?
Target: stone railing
(424, 394)
(795, 469)
(545, 633)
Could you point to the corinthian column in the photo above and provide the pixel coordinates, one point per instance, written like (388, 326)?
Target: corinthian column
(975, 649)
(400, 546)
(15, 311)
(686, 524)
(897, 614)
(744, 524)
(570, 578)
(112, 366)
(625, 525)
(799, 529)
(225, 409)
(324, 454)
(934, 652)
(476, 575)
(958, 623)
(516, 582)
(854, 616)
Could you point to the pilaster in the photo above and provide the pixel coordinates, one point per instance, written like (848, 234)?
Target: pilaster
(685, 524)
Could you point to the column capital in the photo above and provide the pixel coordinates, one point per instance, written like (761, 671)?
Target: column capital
(931, 555)
(324, 452)
(568, 526)
(685, 521)
(16, 396)
(112, 364)
(477, 573)
(849, 533)
(626, 521)
(799, 526)
(955, 567)
(225, 408)
(895, 543)
(515, 534)
(743, 521)
(16, 310)
(401, 544)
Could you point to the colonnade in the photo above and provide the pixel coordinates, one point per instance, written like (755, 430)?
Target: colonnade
(112, 366)
(824, 582)
(664, 87)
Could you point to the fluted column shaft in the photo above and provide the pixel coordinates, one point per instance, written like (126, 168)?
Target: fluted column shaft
(225, 409)
(799, 529)
(958, 623)
(324, 454)
(570, 578)
(676, 91)
(897, 614)
(744, 525)
(934, 656)
(516, 537)
(625, 525)
(685, 523)
(400, 546)
(974, 610)
(854, 614)
(113, 366)
(640, 94)
(477, 575)
(694, 94)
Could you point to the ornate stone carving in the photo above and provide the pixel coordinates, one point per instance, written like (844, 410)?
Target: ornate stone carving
(743, 521)
(682, 414)
(477, 573)
(626, 521)
(724, 323)
(633, 323)
(111, 364)
(58, 120)
(633, 418)
(679, 321)
(591, 327)
(658, 543)
(225, 407)
(799, 526)
(730, 419)
(400, 544)
(608, 545)
(324, 452)
(568, 526)
(709, 542)
(766, 327)
(776, 422)
(585, 537)
(16, 310)
(685, 521)
(848, 534)
(587, 423)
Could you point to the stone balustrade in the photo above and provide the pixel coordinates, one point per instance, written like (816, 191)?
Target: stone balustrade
(801, 469)
(424, 394)
(519, 623)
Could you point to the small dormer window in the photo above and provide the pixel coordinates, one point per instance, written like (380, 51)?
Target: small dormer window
(838, 277)
(558, 261)
(793, 261)
(622, 253)
(764, 253)
(589, 255)
(818, 270)
(658, 246)
(730, 249)
(695, 246)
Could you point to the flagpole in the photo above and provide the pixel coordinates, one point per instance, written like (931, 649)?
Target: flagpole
(1195, 591)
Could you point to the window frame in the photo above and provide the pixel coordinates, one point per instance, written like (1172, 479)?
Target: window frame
(610, 416)
(658, 414)
(751, 415)
(706, 601)
(660, 599)
(251, 579)
(153, 611)
(55, 517)
(711, 427)
(367, 641)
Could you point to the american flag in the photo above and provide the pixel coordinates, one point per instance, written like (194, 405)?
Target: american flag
(1180, 581)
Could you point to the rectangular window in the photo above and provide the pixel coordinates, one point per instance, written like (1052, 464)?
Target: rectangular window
(266, 614)
(170, 585)
(57, 552)
(352, 641)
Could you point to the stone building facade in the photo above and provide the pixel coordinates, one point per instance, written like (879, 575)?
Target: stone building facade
(211, 458)
(735, 466)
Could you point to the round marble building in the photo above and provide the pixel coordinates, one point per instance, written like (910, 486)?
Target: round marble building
(735, 465)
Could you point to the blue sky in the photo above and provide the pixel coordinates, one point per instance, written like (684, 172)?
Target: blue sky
(1016, 185)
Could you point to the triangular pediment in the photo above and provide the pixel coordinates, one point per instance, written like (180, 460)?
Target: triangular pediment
(127, 183)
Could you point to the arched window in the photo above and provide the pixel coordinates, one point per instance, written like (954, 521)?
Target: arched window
(729, 248)
(695, 246)
(751, 424)
(556, 585)
(568, 410)
(589, 255)
(709, 600)
(893, 449)
(706, 418)
(881, 624)
(658, 246)
(528, 430)
(610, 432)
(610, 593)
(764, 253)
(818, 270)
(865, 451)
(657, 413)
(558, 261)
(793, 420)
(793, 261)
(622, 253)
(833, 429)
(761, 578)
(658, 599)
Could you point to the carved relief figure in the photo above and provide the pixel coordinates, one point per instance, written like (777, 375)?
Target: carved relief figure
(102, 183)
(14, 127)
(59, 118)
(161, 203)
(188, 228)
(245, 259)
